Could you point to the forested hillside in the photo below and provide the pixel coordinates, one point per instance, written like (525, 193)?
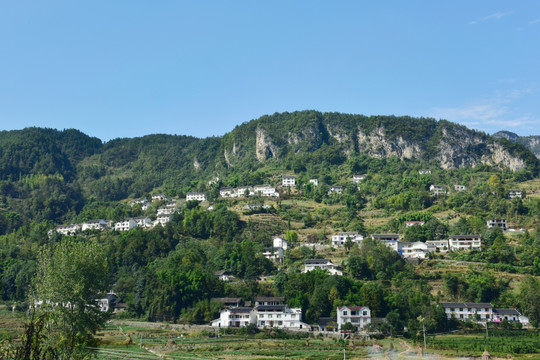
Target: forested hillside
(532, 142)
(51, 177)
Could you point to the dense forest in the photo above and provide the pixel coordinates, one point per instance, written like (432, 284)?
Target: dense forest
(50, 177)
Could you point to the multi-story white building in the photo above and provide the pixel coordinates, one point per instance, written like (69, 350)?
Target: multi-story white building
(385, 237)
(163, 219)
(165, 211)
(227, 192)
(438, 189)
(143, 221)
(464, 242)
(424, 172)
(280, 316)
(265, 190)
(281, 243)
(357, 178)
(159, 197)
(460, 187)
(125, 225)
(244, 191)
(497, 222)
(441, 245)
(68, 229)
(288, 180)
(99, 224)
(198, 196)
(473, 311)
(358, 316)
(274, 253)
(341, 238)
(415, 250)
(515, 194)
(269, 300)
(236, 317)
(324, 264)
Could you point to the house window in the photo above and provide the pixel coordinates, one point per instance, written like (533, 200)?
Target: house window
(269, 316)
(345, 313)
(278, 316)
(364, 313)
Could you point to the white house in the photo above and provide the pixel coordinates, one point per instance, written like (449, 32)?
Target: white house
(269, 300)
(357, 178)
(515, 194)
(99, 224)
(358, 316)
(497, 222)
(143, 221)
(235, 317)
(335, 189)
(274, 254)
(438, 189)
(460, 187)
(125, 225)
(165, 211)
(288, 180)
(68, 229)
(324, 264)
(243, 191)
(385, 237)
(280, 243)
(223, 275)
(315, 182)
(441, 245)
(280, 316)
(108, 302)
(265, 190)
(198, 196)
(163, 219)
(341, 238)
(424, 172)
(227, 192)
(473, 311)
(415, 250)
(464, 242)
(159, 197)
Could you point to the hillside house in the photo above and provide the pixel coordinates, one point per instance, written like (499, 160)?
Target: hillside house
(280, 316)
(244, 191)
(463, 311)
(288, 180)
(163, 219)
(255, 207)
(165, 211)
(515, 194)
(108, 302)
(265, 190)
(440, 245)
(99, 224)
(197, 196)
(415, 250)
(315, 182)
(464, 242)
(227, 192)
(437, 190)
(357, 178)
(497, 222)
(281, 243)
(385, 237)
(358, 316)
(235, 317)
(143, 221)
(335, 189)
(269, 300)
(460, 187)
(274, 254)
(125, 225)
(68, 229)
(412, 223)
(424, 172)
(323, 264)
(229, 302)
(159, 197)
(341, 238)
(146, 206)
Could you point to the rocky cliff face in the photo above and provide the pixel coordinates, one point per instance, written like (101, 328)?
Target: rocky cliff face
(446, 144)
(531, 142)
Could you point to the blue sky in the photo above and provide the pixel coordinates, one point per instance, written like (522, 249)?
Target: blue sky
(131, 68)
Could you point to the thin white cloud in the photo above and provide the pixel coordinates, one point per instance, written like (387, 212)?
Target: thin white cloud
(495, 16)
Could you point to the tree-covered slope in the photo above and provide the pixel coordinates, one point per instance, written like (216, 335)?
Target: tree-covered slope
(532, 142)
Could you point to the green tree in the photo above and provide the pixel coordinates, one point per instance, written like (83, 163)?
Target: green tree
(71, 276)
(529, 299)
